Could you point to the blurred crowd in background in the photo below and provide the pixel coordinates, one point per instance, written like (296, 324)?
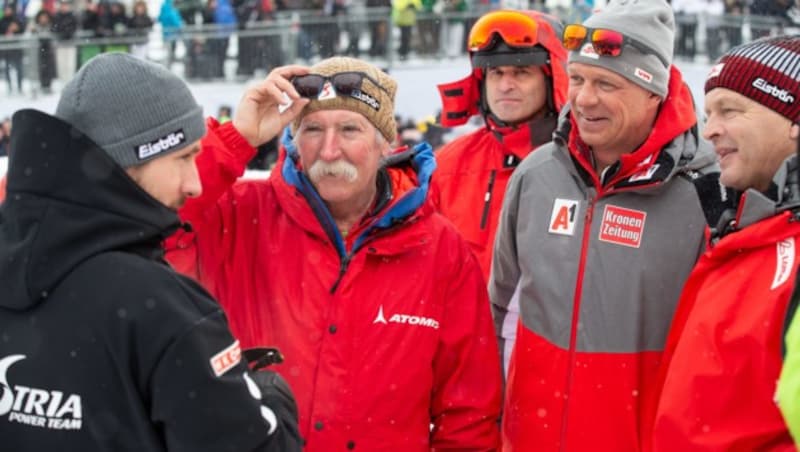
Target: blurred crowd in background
(42, 44)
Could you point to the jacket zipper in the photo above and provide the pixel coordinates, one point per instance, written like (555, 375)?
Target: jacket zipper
(487, 199)
(576, 303)
(342, 269)
(346, 259)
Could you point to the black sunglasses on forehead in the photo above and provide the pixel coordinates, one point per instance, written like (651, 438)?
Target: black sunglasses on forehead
(345, 83)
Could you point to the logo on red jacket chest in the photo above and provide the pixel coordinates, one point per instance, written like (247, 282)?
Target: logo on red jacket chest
(406, 319)
(784, 252)
(622, 226)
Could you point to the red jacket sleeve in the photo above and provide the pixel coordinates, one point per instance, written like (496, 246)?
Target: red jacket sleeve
(224, 157)
(465, 405)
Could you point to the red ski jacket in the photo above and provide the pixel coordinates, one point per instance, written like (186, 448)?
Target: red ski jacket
(471, 178)
(473, 171)
(387, 335)
(723, 354)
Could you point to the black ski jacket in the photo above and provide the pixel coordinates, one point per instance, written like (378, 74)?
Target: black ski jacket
(103, 347)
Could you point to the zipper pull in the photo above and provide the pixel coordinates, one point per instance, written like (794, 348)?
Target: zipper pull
(342, 269)
(487, 199)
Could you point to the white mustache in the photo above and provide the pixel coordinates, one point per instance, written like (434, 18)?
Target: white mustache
(339, 168)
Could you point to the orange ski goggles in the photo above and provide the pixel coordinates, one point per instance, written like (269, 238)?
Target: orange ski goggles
(515, 28)
(605, 42)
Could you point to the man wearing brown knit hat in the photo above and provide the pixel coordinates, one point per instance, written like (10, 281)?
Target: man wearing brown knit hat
(723, 354)
(340, 260)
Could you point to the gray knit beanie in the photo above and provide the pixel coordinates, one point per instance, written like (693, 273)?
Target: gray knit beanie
(650, 22)
(133, 109)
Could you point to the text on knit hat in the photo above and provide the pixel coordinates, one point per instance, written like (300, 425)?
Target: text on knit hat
(133, 109)
(767, 71)
(376, 103)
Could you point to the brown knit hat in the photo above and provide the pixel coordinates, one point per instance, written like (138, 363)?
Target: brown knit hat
(376, 103)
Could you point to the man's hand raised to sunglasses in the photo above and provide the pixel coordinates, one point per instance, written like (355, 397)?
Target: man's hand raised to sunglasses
(263, 112)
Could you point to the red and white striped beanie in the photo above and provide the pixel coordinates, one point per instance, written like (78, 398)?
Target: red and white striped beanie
(766, 70)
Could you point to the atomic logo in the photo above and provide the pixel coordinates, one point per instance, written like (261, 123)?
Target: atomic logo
(380, 318)
(406, 319)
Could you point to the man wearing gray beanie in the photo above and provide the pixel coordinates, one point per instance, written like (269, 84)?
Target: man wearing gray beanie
(599, 230)
(105, 347)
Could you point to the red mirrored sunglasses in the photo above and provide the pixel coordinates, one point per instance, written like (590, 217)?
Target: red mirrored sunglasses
(516, 29)
(605, 42)
(345, 83)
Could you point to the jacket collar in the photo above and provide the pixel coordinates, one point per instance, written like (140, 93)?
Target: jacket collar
(403, 187)
(754, 205)
(60, 182)
(674, 133)
(519, 140)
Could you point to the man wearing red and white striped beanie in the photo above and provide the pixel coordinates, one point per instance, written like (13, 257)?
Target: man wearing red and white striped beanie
(762, 73)
(767, 71)
(723, 355)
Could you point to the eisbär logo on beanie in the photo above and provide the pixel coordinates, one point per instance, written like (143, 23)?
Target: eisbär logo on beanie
(775, 91)
(367, 99)
(767, 71)
(163, 144)
(133, 109)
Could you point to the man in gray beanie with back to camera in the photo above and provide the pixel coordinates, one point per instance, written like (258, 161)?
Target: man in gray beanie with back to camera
(598, 231)
(105, 347)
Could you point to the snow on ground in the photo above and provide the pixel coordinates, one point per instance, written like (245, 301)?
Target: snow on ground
(417, 96)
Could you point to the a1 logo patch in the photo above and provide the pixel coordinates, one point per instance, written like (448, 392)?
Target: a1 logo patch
(622, 226)
(562, 219)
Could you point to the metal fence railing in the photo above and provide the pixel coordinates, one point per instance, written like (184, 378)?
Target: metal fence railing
(213, 51)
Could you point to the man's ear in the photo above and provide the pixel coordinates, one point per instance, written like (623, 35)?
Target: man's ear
(794, 132)
(386, 148)
(656, 99)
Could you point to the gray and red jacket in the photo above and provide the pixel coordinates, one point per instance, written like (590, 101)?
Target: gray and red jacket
(596, 264)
